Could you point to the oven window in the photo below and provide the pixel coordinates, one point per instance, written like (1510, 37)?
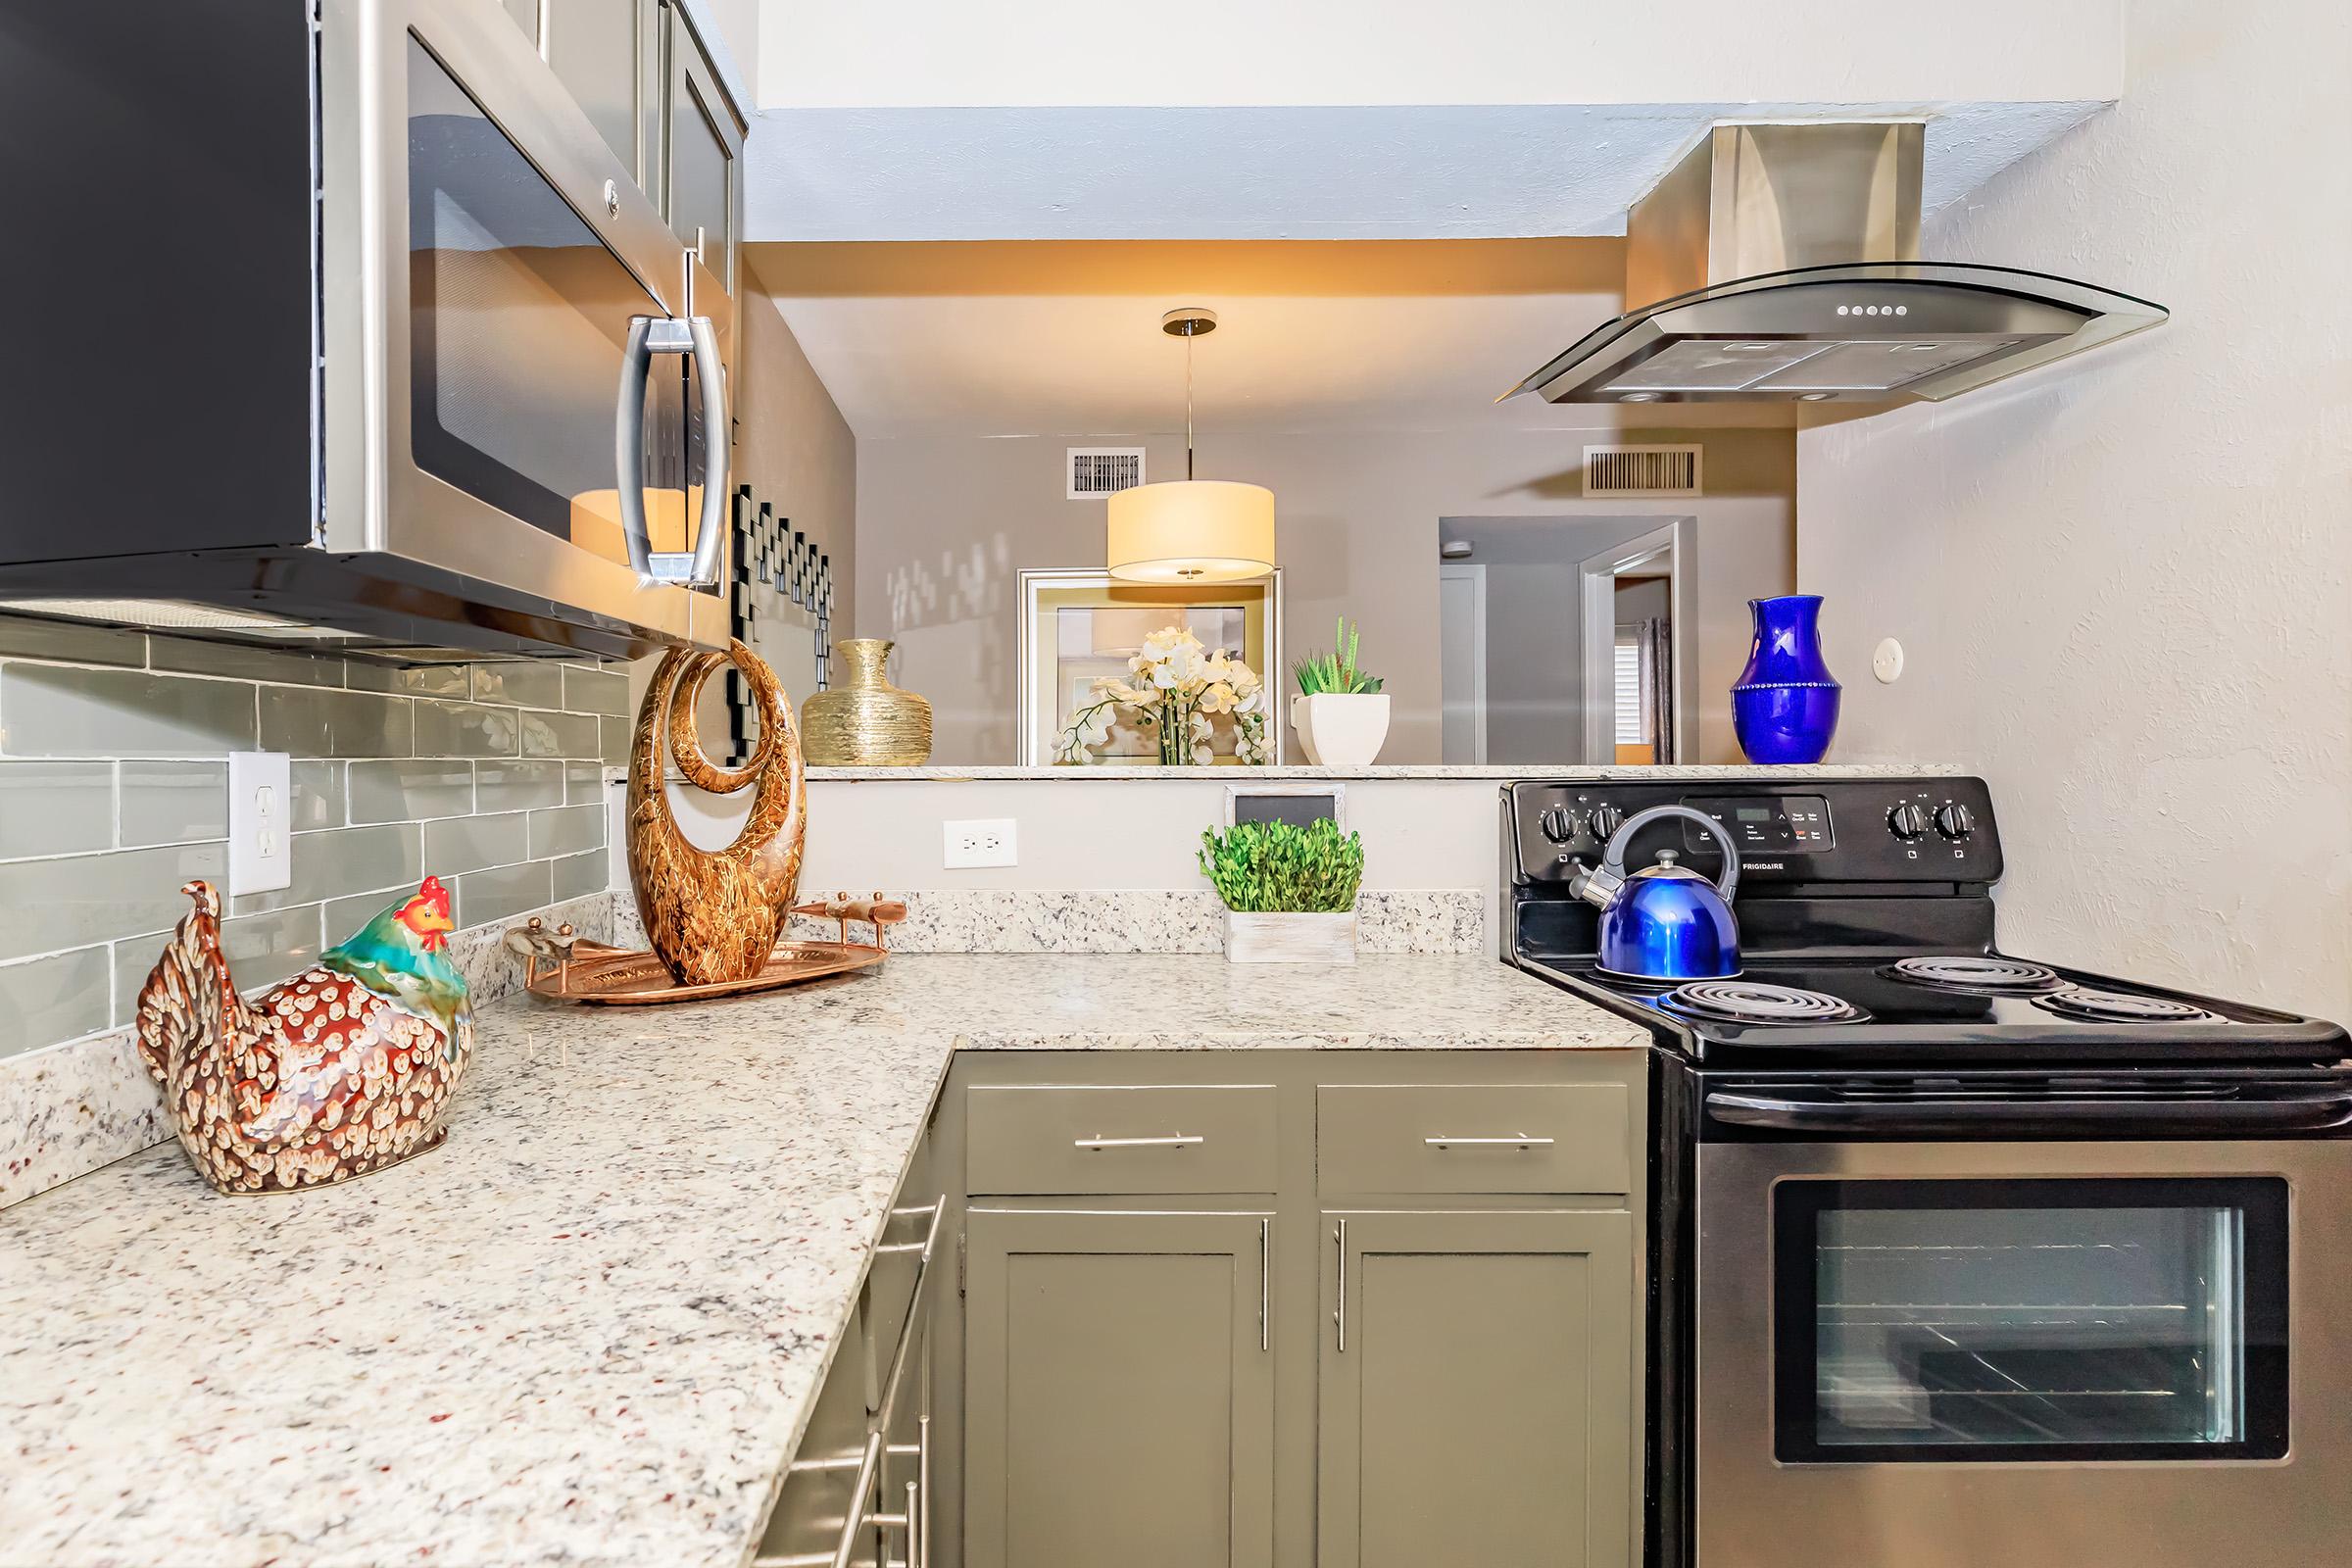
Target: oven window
(2115, 1319)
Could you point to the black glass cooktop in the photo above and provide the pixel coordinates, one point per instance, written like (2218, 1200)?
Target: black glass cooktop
(1962, 1007)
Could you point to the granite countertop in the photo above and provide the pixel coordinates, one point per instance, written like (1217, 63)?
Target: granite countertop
(1233, 773)
(588, 1329)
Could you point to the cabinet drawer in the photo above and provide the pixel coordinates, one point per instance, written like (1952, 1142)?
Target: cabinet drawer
(1172, 1138)
(1473, 1138)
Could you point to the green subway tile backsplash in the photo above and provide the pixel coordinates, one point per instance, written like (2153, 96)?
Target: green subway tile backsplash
(60, 711)
(409, 789)
(56, 807)
(63, 996)
(464, 729)
(470, 843)
(113, 749)
(336, 723)
(520, 683)
(174, 802)
(51, 906)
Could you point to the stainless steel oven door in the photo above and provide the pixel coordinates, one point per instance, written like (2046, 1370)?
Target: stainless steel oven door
(524, 391)
(2095, 1354)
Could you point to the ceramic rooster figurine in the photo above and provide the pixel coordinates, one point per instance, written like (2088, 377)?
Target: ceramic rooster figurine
(343, 1069)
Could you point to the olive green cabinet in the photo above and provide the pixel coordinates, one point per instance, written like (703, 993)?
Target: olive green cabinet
(1118, 1390)
(1475, 1396)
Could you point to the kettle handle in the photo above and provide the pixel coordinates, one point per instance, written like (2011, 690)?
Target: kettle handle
(1612, 861)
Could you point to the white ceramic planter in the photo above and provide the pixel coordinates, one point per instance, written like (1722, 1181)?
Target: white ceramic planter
(1289, 938)
(1341, 730)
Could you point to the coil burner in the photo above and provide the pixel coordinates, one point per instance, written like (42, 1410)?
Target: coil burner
(1746, 1002)
(1985, 977)
(2115, 1007)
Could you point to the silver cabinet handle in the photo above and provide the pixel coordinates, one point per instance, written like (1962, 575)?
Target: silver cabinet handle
(1264, 1332)
(856, 1521)
(718, 440)
(650, 335)
(1341, 1316)
(1520, 1142)
(1172, 1141)
(937, 1211)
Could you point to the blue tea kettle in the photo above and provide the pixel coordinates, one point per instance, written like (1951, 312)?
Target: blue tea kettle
(1664, 921)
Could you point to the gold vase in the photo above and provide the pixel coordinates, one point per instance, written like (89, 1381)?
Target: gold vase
(865, 721)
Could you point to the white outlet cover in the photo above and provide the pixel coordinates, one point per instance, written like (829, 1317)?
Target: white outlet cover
(981, 842)
(1887, 663)
(261, 816)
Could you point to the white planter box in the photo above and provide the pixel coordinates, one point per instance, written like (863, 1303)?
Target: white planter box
(1289, 938)
(1341, 729)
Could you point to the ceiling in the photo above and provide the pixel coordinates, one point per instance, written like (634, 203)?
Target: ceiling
(1062, 337)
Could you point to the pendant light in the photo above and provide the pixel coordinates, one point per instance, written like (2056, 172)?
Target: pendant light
(1191, 530)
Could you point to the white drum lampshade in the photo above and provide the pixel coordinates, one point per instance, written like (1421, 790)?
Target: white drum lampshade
(1191, 531)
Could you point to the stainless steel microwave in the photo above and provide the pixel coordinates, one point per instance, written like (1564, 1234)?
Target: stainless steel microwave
(340, 324)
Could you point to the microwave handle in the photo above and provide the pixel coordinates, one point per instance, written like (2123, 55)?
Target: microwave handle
(650, 335)
(1936, 1118)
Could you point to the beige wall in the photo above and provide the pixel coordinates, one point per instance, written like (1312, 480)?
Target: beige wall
(2124, 584)
(944, 525)
(793, 447)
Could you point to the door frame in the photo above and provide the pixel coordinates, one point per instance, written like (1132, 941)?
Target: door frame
(1675, 538)
(1474, 574)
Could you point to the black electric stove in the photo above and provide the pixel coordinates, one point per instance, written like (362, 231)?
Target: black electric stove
(1996, 1124)
(1867, 932)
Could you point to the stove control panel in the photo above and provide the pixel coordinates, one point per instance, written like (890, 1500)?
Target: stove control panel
(1843, 830)
(1795, 824)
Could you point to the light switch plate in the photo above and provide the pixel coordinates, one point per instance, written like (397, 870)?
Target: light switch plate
(261, 814)
(982, 841)
(1888, 662)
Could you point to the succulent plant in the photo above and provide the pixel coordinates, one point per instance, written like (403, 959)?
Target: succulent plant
(1336, 673)
(1281, 867)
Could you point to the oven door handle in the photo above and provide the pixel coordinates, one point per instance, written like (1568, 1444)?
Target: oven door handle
(1969, 1119)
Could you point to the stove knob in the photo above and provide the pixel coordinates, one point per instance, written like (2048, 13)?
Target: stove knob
(1605, 822)
(1954, 820)
(1908, 823)
(1557, 826)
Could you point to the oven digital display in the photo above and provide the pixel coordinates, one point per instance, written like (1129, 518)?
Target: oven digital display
(1796, 824)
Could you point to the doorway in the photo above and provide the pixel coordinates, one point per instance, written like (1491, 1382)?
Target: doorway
(1635, 597)
(1529, 612)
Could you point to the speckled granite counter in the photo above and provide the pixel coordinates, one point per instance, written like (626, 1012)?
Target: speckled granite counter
(587, 1330)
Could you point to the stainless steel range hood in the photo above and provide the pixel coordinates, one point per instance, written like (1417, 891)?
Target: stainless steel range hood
(1781, 263)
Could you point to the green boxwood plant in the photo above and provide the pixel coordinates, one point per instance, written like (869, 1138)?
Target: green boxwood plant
(1280, 868)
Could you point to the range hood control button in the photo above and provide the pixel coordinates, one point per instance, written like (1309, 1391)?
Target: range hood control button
(1908, 823)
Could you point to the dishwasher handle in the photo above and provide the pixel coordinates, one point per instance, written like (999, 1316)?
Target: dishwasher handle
(2059, 1116)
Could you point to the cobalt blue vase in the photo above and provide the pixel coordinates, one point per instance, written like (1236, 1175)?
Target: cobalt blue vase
(1785, 707)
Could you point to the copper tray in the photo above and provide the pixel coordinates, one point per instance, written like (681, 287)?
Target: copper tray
(564, 967)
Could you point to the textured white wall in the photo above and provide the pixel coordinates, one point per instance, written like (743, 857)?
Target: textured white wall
(2126, 583)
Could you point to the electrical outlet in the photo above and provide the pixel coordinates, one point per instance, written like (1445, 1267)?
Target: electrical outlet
(261, 813)
(983, 841)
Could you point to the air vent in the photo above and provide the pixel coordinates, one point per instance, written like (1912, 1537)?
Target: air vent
(1616, 473)
(1103, 470)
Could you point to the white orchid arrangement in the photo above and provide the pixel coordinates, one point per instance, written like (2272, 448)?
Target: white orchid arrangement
(1176, 688)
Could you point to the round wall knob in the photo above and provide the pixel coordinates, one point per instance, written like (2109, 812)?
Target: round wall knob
(1954, 820)
(1605, 822)
(1557, 826)
(1908, 821)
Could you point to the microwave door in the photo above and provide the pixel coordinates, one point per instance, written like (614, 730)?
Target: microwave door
(528, 449)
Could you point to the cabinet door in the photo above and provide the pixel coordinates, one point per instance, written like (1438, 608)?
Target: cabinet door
(1119, 1395)
(594, 47)
(1476, 1401)
(702, 143)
